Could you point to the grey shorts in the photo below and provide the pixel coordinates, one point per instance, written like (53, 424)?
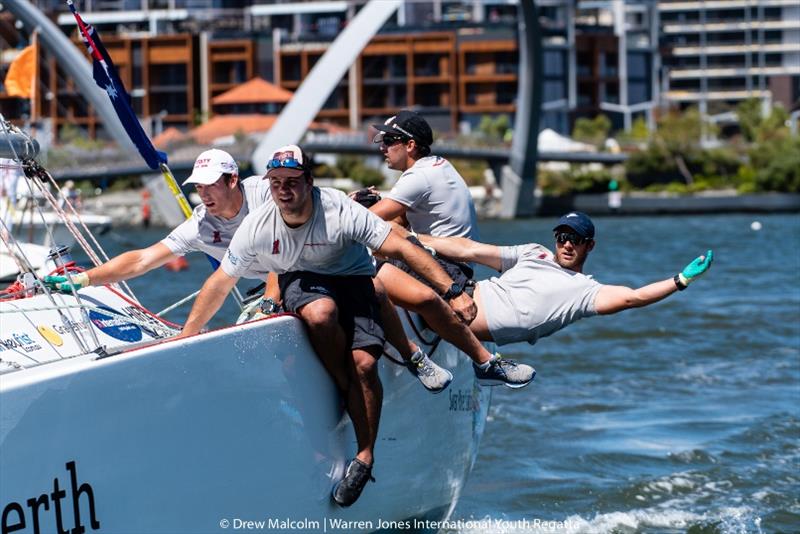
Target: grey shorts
(460, 273)
(354, 296)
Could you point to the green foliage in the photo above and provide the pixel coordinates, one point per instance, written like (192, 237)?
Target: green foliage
(681, 133)
(579, 179)
(72, 135)
(756, 127)
(638, 135)
(353, 167)
(594, 131)
(749, 114)
(495, 128)
(653, 165)
(777, 164)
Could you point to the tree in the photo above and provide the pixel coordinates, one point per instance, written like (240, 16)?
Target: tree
(749, 114)
(494, 129)
(594, 131)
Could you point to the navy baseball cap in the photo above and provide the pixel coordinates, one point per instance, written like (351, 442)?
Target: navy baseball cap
(578, 221)
(408, 124)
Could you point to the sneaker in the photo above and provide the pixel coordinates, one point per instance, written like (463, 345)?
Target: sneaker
(434, 378)
(347, 490)
(501, 371)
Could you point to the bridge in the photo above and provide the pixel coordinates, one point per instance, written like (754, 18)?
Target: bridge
(495, 158)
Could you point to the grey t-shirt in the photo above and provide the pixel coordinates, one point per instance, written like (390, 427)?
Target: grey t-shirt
(212, 235)
(437, 199)
(333, 241)
(534, 296)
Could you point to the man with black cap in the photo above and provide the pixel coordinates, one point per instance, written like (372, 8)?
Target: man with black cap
(539, 293)
(430, 194)
(316, 240)
(225, 201)
(432, 197)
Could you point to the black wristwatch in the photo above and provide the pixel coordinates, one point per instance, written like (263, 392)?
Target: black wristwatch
(454, 291)
(679, 283)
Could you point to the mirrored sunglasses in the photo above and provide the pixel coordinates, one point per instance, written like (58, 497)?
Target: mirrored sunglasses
(572, 237)
(288, 163)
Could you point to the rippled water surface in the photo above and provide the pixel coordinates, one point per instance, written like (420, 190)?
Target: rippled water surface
(680, 417)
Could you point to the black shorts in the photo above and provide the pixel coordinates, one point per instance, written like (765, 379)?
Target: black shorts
(354, 296)
(461, 273)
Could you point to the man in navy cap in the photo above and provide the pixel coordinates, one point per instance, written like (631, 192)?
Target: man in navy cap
(539, 292)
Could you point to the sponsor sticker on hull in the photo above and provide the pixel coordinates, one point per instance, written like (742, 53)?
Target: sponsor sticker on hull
(114, 325)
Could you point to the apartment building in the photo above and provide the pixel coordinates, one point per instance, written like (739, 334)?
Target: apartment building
(454, 61)
(717, 53)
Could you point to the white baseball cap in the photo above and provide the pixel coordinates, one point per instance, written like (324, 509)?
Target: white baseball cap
(288, 160)
(210, 166)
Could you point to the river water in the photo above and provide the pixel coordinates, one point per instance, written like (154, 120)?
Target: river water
(680, 417)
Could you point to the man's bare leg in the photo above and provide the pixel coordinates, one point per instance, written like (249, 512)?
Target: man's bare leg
(327, 337)
(409, 293)
(432, 377)
(392, 326)
(365, 398)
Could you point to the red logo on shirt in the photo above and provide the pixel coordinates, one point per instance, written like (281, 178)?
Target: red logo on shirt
(217, 237)
(276, 246)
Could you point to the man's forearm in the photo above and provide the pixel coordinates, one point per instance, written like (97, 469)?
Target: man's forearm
(424, 265)
(455, 248)
(130, 265)
(653, 293)
(208, 302)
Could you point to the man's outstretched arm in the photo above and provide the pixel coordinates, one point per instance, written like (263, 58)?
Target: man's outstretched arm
(613, 299)
(208, 302)
(464, 249)
(123, 267)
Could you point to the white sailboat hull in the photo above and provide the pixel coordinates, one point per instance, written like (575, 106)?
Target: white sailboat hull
(239, 424)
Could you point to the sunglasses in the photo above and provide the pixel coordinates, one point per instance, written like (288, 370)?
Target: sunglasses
(288, 163)
(572, 237)
(390, 139)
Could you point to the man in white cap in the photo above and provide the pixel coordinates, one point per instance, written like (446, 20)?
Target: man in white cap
(316, 240)
(225, 202)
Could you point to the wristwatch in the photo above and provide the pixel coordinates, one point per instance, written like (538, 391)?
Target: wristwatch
(679, 283)
(454, 291)
(269, 306)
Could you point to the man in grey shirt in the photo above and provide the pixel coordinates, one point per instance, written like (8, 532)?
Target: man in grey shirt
(225, 202)
(539, 293)
(316, 239)
(434, 199)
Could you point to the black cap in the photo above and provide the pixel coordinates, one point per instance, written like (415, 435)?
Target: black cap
(578, 221)
(409, 124)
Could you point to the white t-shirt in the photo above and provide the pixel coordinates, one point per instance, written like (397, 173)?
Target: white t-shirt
(333, 241)
(438, 200)
(212, 235)
(534, 297)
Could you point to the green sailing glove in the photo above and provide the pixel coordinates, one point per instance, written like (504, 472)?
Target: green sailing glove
(696, 268)
(62, 283)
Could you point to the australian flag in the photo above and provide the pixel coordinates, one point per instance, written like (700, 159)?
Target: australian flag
(106, 77)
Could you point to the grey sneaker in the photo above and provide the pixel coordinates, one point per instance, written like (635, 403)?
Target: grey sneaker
(356, 476)
(501, 371)
(434, 378)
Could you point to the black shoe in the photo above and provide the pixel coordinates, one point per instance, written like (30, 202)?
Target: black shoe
(356, 476)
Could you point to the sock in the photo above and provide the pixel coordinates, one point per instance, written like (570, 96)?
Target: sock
(485, 365)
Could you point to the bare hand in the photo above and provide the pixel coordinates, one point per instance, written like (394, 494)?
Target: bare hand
(465, 308)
